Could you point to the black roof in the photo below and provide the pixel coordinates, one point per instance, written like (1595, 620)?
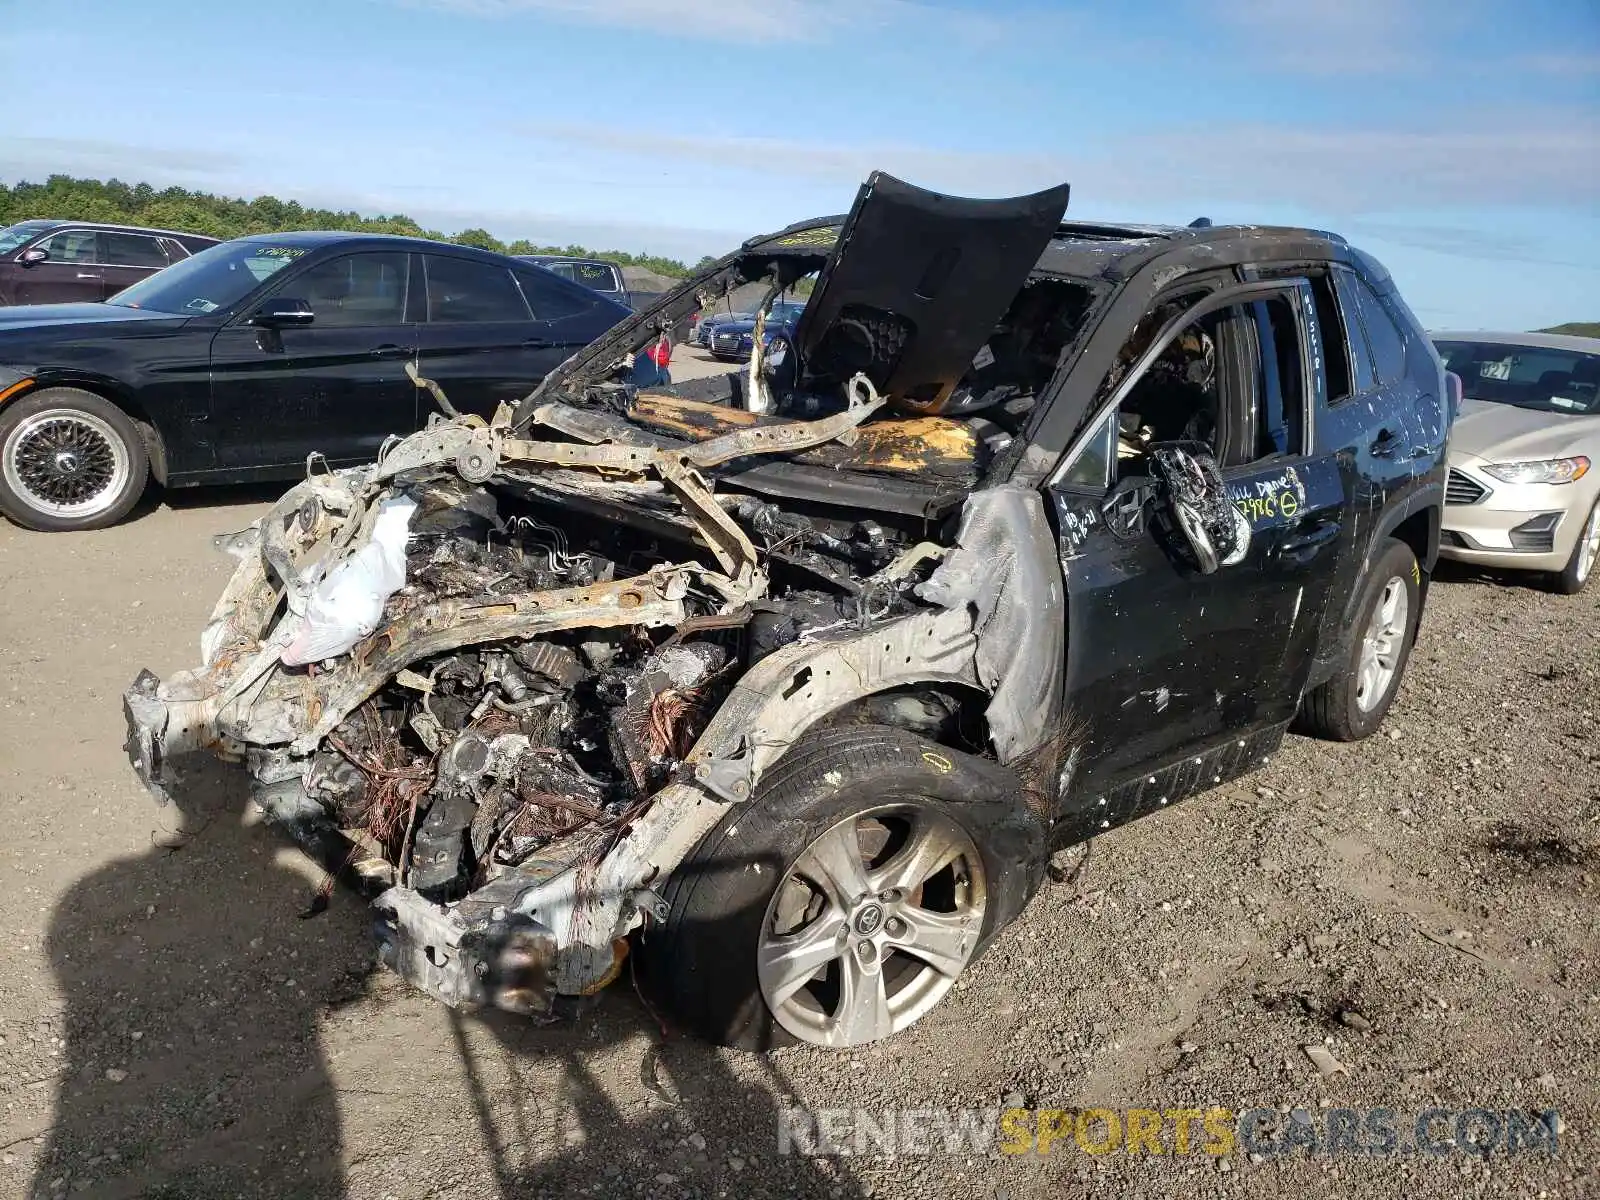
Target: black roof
(1112, 251)
(315, 238)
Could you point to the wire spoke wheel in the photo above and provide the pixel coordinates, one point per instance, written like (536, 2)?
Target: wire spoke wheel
(66, 463)
(874, 923)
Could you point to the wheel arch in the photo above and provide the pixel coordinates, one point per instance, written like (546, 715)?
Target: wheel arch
(115, 393)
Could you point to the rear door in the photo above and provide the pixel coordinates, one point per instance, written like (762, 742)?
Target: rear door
(336, 387)
(126, 258)
(72, 272)
(492, 332)
(1165, 664)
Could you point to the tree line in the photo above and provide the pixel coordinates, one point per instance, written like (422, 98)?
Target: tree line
(113, 201)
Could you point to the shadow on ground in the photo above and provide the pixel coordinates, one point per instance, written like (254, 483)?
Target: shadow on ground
(194, 1069)
(193, 995)
(1449, 570)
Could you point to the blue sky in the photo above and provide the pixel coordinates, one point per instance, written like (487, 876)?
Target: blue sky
(1459, 140)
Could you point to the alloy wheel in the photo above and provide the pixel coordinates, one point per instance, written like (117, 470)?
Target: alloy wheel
(872, 926)
(66, 463)
(1589, 545)
(1381, 645)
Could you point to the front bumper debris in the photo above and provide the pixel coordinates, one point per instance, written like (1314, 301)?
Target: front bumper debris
(503, 960)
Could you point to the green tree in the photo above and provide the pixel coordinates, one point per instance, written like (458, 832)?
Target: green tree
(65, 197)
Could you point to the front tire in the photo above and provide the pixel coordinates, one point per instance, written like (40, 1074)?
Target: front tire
(69, 460)
(841, 903)
(1352, 704)
(1574, 577)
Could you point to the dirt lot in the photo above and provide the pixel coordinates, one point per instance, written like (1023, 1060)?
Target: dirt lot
(174, 1024)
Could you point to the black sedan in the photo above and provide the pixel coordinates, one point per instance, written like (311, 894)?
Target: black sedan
(239, 363)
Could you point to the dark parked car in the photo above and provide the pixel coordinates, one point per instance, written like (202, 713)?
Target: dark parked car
(733, 340)
(705, 324)
(51, 262)
(239, 362)
(1083, 517)
(603, 277)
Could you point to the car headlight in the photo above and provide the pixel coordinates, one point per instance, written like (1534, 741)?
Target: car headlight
(1545, 470)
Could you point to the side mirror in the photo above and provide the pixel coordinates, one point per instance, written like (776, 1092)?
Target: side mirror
(1455, 392)
(36, 255)
(1194, 508)
(281, 312)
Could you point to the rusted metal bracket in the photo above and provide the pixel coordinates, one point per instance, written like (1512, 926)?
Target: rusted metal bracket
(734, 551)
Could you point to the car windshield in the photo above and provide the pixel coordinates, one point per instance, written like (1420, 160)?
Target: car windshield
(218, 277)
(13, 236)
(1555, 381)
(785, 312)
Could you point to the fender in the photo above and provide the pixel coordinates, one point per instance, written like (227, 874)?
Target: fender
(1427, 497)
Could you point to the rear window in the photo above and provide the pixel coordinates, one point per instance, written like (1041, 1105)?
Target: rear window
(599, 277)
(1557, 381)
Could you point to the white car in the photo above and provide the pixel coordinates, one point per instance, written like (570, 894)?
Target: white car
(1524, 485)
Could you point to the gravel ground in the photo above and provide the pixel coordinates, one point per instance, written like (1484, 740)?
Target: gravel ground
(1421, 906)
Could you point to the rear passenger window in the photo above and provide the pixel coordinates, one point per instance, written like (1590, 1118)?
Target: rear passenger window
(1383, 335)
(1337, 340)
(548, 299)
(462, 290)
(131, 250)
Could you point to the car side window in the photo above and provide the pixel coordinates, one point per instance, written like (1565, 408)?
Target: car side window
(548, 299)
(72, 246)
(1232, 381)
(1363, 374)
(131, 250)
(1387, 341)
(460, 289)
(1276, 414)
(1339, 340)
(354, 290)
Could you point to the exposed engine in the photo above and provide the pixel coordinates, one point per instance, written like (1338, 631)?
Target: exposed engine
(474, 761)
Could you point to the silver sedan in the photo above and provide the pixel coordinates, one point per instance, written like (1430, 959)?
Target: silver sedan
(1524, 485)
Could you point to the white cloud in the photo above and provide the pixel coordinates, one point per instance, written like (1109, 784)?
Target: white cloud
(1342, 37)
(1530, 160)
(38, 157)
(741, 21)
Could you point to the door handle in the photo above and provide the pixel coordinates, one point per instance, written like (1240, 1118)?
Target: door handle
(1309, 537)
(537, 344)
(86, 275)
(388, 350)
(1386, 444)
(1300, 547)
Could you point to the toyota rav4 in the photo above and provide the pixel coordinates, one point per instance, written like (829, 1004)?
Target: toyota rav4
(787, 683)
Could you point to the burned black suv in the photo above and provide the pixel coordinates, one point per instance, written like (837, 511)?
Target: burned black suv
(788, 682)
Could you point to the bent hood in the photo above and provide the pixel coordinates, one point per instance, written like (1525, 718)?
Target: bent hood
(917, 282)
(1505, 433)
(911, 284)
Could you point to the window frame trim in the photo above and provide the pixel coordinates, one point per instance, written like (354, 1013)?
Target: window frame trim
(1295, 288)
(427, 297)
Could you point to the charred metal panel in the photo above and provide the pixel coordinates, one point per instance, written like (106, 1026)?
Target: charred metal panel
(916, 283)
(1004, 572)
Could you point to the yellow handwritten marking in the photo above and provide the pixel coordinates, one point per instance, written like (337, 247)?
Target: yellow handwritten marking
(938, 762)
(1288, 504)
(1416, 574)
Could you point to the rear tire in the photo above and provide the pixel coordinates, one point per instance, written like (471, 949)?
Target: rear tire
(1575, 576)
(1352, 704)
(712, 962)
(69, 460)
